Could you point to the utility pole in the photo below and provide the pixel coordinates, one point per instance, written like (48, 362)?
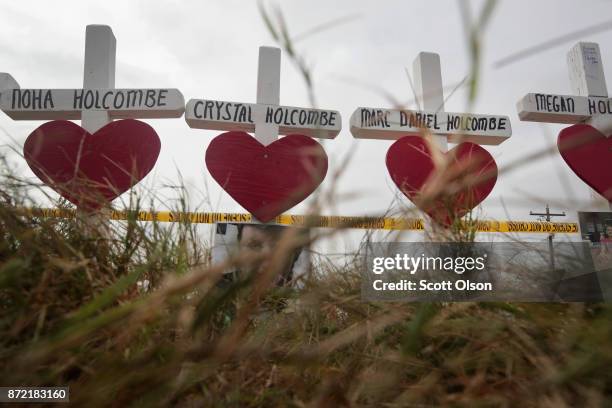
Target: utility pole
(547, 216)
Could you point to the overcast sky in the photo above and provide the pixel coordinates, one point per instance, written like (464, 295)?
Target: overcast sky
(209, 50)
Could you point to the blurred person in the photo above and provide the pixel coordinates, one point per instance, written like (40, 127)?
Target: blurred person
(606, 239)
(265, 239)
(602, 255)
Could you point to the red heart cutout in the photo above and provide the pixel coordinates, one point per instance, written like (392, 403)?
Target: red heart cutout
(266, 180)
(588, 152)
(473, 169)
(90, 170)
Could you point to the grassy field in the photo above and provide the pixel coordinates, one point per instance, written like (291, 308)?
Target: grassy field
(72, 314)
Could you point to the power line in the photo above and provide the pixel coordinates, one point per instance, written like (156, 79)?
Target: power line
(548, 215)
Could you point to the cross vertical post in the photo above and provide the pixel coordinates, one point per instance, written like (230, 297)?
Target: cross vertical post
(587, 79)
(427, 75)
(586, 70)
(268, 93)
(99, 71)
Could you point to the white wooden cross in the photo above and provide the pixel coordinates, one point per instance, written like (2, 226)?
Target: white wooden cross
(380, 123)
(98, 102)
(589, 104)
(267, 118)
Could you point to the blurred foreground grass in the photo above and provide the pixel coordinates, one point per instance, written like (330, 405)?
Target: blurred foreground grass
(72, 314)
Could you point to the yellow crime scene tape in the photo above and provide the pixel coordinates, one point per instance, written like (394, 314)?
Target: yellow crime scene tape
(314, 221)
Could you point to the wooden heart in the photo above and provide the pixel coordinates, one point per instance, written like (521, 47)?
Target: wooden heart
(90, 170)
(588, 152)
(266, 180)
(471, 169)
